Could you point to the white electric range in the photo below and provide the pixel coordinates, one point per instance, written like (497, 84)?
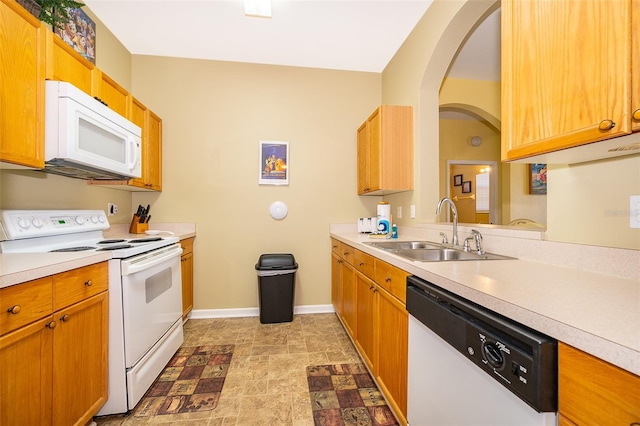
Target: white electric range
(145, 291)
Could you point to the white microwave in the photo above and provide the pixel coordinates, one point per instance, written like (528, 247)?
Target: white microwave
(86, 139)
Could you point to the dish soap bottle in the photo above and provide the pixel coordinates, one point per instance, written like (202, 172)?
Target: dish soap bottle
(394, 231)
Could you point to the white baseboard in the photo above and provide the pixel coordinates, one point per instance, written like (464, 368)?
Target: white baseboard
(254, 312)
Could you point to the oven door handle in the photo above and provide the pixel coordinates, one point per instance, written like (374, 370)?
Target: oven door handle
(149, 260)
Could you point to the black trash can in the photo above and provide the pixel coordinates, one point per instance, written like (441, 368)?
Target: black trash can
(276, 277)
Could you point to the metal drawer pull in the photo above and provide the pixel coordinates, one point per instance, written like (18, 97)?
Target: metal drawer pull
(14, 309)
(88, 283)
(607, 124)
(65, 317)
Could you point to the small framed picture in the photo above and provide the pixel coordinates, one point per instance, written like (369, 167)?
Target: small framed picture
(457, 180)
(274, 163)
(466, 187)
(538, 179)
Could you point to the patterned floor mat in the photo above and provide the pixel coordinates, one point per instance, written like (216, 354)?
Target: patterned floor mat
(345, 394)
(191, 381)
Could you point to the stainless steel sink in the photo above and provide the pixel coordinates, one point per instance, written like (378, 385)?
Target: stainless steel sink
(425, 251)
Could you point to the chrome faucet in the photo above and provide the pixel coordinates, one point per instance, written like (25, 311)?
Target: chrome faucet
(477, 236)
(454, 238)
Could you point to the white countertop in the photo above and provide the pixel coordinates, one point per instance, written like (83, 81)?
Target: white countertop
(595, 312)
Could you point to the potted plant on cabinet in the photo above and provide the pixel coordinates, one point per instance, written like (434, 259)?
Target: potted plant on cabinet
(52, 12)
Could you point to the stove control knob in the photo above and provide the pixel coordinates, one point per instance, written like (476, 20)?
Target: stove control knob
(102, 219)
(79, 220)
(37, 222)
(94, 219)
(24, 223)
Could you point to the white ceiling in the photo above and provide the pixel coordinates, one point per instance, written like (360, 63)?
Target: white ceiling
(344, 35)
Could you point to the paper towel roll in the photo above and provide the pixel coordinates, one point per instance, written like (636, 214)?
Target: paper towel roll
(384, 217)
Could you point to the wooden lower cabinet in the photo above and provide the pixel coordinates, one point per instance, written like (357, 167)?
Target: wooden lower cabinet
(187, 276)
(594, 392)
(53, 369)
(369, 299)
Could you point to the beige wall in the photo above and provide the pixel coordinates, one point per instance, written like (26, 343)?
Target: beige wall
(582, 200)
(214, 114)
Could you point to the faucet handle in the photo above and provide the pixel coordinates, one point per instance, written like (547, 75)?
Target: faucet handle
(466, 246)
(477, 236)
(444, 238)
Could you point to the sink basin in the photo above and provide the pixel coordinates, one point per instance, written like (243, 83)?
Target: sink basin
(403, 245)
(425, 251)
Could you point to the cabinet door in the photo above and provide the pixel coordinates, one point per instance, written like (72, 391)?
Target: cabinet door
(366, 318)
(347, 276)
(393, 332)
(65, 64)
(187, 276)
(363, 158)
(111, 93)
(137, 115)
(336, 283)
(565, 74)
(80, 359)
(152, 160)
(635, 68)
(22, 76)
(26, 368)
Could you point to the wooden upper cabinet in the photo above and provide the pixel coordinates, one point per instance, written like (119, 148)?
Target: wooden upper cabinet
(22, 75)
(152, 158)
(65, 64)
(111, 93)
(385, 151)
(566, 78)
(635, 68)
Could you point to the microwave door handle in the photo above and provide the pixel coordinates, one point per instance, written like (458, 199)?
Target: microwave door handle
(133, 152)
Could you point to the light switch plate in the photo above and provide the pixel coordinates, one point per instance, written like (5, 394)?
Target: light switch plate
(634, 211)
(399, 212)
(413, 211)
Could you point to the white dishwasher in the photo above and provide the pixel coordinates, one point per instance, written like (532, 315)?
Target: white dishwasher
(471, 366)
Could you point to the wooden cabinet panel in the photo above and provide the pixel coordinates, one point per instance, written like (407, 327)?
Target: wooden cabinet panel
(364, 263)
(336, 283)
(335, 246)
(26, 368)
(346, 252)
(392, 279)
(25, 303)
(385, 151)
(565, 74)
(65, 64)
(111, 93)
(349, 297)
(367, 318)
(393, 346)
(592, 391)
(80, 360)
(187, 276)
(78, 284)
(22, 77)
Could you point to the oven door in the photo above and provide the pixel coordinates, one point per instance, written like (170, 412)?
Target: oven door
(151, 299)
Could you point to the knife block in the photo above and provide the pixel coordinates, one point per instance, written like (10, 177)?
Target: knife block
(137, 227)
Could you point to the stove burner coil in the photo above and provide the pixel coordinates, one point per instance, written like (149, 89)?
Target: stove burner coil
(68, 249)
(110, 241)
(116, 247)
(145, 240)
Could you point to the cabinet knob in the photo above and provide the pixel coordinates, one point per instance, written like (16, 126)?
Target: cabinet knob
(606, 124)
(65, 317)
(14, 309)
(51, 324)
(636, 116)
(387, 279)
(88, 283)
(361, 264)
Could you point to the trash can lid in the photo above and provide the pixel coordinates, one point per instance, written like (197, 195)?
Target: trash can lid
(274, 261)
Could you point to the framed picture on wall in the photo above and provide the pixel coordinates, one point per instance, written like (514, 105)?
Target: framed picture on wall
(80, 33)
(537, 179)
(466, 187)
(274, 163)
(457, 180)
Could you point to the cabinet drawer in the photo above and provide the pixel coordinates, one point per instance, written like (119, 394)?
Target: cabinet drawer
(392, 279)
(346, 252)
(24, 303)
(187, 246)
(592, 391)
(76, 285)
(335, 246)
(364, 263)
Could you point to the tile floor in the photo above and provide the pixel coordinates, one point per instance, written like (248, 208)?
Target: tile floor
(266, 383)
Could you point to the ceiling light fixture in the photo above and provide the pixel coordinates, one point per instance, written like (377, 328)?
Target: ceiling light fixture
(257, 8)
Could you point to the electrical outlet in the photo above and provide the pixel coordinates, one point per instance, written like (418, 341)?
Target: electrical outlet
(634, 211)
(399, 212)
(112, 209)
